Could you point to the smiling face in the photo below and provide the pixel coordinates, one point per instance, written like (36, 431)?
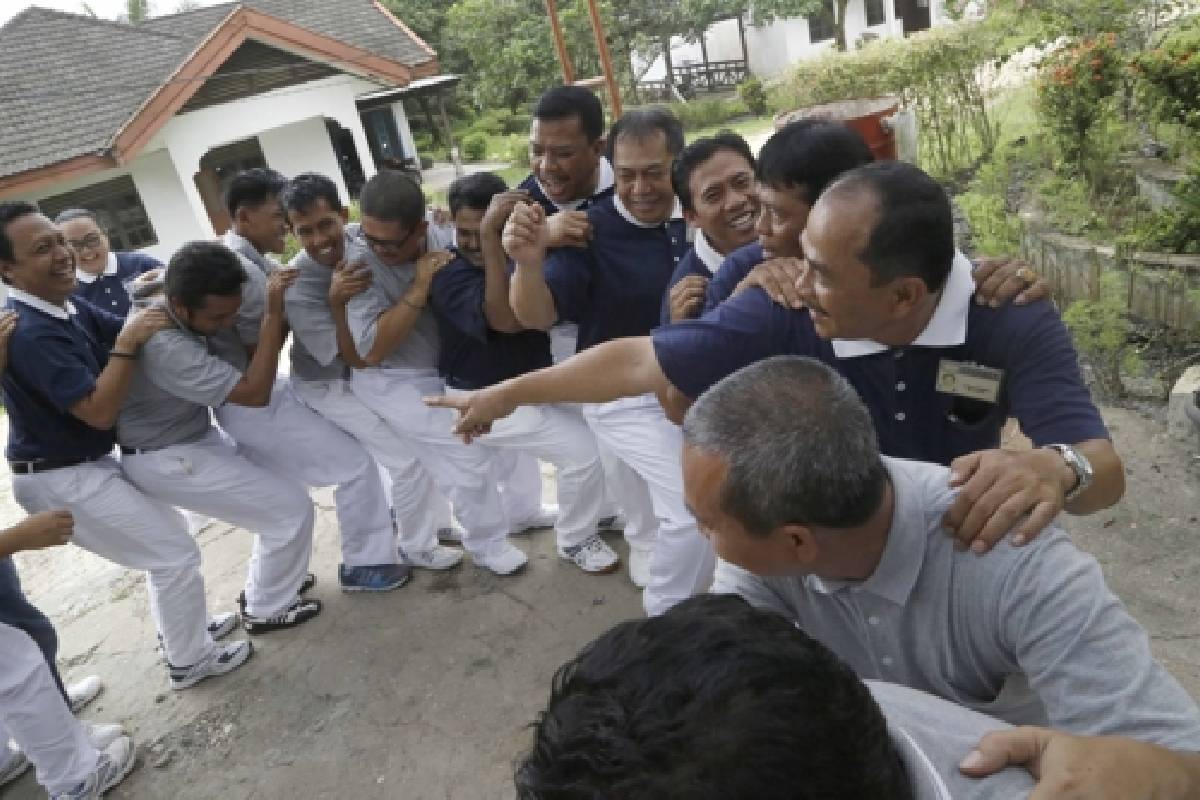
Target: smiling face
(467, 224)
(394, 243)
(263, 224)
(781, 221)
(321, 231)
(724, 201)
(43, 263)
(217, 313)
(89, 242)
(562, 158)
(643, 176)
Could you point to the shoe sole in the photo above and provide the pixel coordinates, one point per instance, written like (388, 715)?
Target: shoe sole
(495, 571)
(609, 570)
(180, 686)
(376, 589)
(433, 567)
(82, 704)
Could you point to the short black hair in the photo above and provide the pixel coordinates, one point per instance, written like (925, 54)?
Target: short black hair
(564, 102)
(253, 187)
(809, 154)
(699, 151)
(200, 269)
(304, 190)
(10, 212)
(75, 213)
(712, 700)
(644, 122)
(913, 235)
(474, 191)
(392, 196)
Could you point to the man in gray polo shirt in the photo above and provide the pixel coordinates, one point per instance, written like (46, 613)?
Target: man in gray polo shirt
(396, 335)
(331, 270)
(285, 435)
(782, 469)
(171, 451)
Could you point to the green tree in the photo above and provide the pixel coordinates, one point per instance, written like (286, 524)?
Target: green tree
(137, 10)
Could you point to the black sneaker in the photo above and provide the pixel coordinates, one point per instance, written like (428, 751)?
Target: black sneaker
(309, 581)
(301, 610)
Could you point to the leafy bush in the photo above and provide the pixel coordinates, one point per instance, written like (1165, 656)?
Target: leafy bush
(754, 95)
(517, 151)
(1174, 229)
(1170, 75)
(936, 73)
(475, 146)
(1074, 90)
(707, 113)
(1101, 329)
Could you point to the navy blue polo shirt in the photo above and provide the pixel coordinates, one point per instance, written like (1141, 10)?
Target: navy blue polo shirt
(733, 270)
(108, 291)
(530, 184)
(472, 355)
(53, 364)
(690, 264)
(614, 287)
(1042, 386)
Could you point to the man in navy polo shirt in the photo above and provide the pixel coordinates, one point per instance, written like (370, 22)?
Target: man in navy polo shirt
(102, 273)
(611, 289)
(714, 181)
(482, 343)
(939, 373)
(70, 367)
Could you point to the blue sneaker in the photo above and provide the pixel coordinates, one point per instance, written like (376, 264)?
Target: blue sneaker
(374, 577)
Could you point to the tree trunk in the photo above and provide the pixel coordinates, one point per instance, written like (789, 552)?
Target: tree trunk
(742, 37)
(670, 66)
(843, 39)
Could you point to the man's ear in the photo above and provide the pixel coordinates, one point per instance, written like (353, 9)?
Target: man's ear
(344, 214)
(600, 146)
(799, 543)
(908, 294)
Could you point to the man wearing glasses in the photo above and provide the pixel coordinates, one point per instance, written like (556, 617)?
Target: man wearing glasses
(396, 336)
(102, 273)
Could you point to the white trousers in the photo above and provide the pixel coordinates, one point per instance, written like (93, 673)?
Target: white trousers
(34, 714)
(287, 437)
(638, 432)
(463, 473)
(117, 522)
(560, 437)
(211, 477)
(336, 401)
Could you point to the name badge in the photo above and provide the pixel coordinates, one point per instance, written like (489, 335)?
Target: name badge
(972, 381)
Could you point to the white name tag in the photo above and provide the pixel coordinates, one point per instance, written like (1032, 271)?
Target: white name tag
(972, 381)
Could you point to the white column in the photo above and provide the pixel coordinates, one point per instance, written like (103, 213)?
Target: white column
(303, 146)
(889, 15)
(406, 138)
(192, 220)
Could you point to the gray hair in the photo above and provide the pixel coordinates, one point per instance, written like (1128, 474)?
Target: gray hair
(799, 444)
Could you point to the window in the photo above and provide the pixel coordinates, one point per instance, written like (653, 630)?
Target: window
(118, 209)
(383, 136)
(821, 24)
(875, 13)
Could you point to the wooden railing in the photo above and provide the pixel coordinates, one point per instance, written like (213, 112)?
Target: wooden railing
(690, 79)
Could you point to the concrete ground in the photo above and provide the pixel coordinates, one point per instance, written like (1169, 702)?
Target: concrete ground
(427, 692)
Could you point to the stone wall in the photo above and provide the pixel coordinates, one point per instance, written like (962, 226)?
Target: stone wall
(1159, 287)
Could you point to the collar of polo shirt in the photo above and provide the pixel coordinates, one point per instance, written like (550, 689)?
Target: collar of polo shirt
(110, 268)
(896, 573)
(707, 254)
(676, 214)
(243, 247)
(604, 182)
(58, 312)
(948, 325)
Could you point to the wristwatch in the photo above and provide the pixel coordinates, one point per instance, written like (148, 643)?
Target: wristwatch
(1079, 464)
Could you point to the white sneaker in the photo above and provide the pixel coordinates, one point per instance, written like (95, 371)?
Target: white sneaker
(592, 555)
(502, 559)
(13, 764)
(611, 524)
(222, 659)
(639, 566)
(453, 533)
(82, 692)
(546, 517)
(102, 734)
(437, 557)
(116, 761)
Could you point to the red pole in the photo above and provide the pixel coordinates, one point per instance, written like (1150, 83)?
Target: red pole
(560, 46)
(610, 77)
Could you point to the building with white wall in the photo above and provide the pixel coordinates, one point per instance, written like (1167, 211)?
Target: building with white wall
(772, 47)
(145, 124)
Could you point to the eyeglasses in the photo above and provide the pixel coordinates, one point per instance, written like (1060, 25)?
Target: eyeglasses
(90, 242)
(385, 245)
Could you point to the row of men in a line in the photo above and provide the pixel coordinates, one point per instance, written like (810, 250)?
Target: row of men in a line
(608, 276)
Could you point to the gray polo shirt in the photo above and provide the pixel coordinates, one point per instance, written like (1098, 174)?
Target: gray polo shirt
(231, 344)
(314, 352)
(932, 735)
(1030, 635)
(388, 284)
(175, 381)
